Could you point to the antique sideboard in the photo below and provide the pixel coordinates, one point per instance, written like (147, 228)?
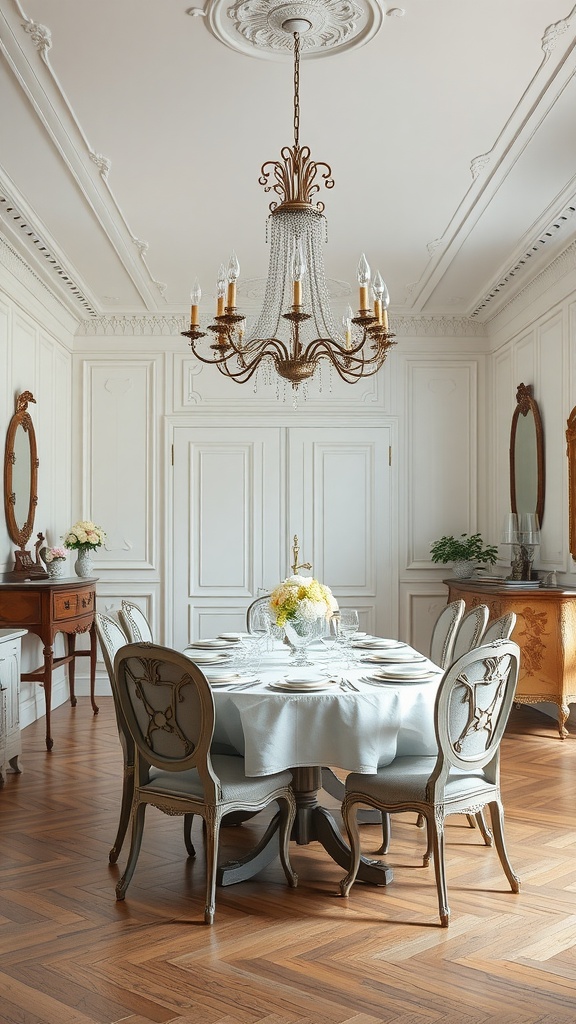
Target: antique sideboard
(47, 607)
(545, 631)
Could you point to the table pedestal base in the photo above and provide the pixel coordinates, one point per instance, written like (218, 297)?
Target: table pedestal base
(313, 823)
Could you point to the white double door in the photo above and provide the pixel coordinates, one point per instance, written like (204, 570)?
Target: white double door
(242, 493)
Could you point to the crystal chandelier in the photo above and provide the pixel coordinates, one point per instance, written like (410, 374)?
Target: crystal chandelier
(295, 330)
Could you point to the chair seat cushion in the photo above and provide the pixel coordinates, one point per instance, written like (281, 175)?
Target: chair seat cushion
(236, 786)
(406, 778)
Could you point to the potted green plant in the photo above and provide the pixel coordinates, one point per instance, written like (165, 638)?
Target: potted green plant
(465, 551)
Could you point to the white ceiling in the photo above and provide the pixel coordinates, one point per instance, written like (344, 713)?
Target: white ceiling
(132, 146)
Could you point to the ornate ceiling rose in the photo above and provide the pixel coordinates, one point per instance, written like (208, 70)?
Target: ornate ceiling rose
(258, 27)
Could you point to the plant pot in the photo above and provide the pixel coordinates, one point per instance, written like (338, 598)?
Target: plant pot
(463, 570)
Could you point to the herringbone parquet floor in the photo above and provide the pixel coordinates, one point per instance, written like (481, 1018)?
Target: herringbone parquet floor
(69, 954)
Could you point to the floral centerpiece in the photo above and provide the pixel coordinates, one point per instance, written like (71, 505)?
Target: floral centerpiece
(84, 537)
(55, 559)
(301, 606)
(54, 554)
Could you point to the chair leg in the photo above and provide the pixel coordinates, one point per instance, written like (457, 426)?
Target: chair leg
(125, 809)
(485, 831)
(349, 809)
(287, 806)
(137, 830)
(436, 829)
(497, 818)
(385, 833)
(212, 838)
(188, 819)
(420, 821)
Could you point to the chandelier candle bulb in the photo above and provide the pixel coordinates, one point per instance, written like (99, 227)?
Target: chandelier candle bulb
(363, 281)
(221, 290)
(233, 275)
(195, 295)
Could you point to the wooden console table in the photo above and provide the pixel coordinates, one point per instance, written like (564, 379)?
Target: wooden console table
(47, 607)
(545, 631)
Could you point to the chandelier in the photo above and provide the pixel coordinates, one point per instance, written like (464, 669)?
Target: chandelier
(295, 330)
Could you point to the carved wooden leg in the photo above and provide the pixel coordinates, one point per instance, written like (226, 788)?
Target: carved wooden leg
(48, 653)
(563, 712)
(71, 645)
(93, 656)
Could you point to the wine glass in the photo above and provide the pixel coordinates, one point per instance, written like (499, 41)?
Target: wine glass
(349, 623)
(331, 636)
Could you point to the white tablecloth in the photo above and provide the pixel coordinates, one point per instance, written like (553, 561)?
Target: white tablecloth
(344, 729)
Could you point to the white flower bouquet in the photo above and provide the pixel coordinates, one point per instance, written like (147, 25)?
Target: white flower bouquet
(84, 536)
(303, 599)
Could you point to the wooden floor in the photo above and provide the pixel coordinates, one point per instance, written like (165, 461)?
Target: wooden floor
(69, 954)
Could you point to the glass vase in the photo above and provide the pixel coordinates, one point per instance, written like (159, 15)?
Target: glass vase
(300, 633)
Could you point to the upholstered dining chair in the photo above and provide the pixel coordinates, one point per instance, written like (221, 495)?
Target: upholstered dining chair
(500, 629)
(112, 638)
(470, 715)
(135, 623)
(470, 631)
(168, 708)
(444, 633)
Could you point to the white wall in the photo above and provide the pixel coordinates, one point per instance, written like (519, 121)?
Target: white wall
(36, 337)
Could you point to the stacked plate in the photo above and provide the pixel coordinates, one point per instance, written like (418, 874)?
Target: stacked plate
(405, 674)
(226, 677)
(201, 657)
(216, 644)
(377, 643)
(306, 682)
(403, 656)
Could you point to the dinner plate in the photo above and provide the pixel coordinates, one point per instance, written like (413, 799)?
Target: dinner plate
(284, 686)
(305, 678)
(403, 673)
(394, 657)
(232, 637)
(209, 645)
(205, 657)
(235, 679)
(377, 643)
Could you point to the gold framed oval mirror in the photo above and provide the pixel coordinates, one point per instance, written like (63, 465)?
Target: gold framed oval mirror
(527, 455)
(21, 485)
(571, 453)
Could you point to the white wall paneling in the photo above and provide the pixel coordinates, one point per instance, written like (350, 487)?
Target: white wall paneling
(118, 489)
(339, 505)
(441, 457)
(228, 518)
(420, 606)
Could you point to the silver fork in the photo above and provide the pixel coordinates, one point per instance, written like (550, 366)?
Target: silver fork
(347, 685)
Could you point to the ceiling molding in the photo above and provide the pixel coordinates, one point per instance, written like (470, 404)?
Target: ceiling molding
(34, 286)
(507, 284)
(489, 170)
(564, 264)
(25, 45)
(254, 27)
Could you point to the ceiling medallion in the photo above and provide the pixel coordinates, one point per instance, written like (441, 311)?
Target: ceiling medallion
(255, 27)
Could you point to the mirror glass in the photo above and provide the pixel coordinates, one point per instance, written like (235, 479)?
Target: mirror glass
(526, 456)
(21, 478)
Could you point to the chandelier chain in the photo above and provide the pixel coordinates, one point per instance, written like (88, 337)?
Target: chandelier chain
(296, 89)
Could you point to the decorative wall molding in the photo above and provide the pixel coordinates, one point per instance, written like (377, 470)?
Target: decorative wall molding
(420, 326)
(553, 33)
(254, 27)
(118, 325)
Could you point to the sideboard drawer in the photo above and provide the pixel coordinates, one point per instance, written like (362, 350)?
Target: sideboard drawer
(66, 605)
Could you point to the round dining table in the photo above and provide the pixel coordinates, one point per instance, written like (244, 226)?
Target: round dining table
(350, 722)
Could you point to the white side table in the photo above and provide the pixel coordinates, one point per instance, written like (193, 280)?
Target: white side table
(10, 741)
